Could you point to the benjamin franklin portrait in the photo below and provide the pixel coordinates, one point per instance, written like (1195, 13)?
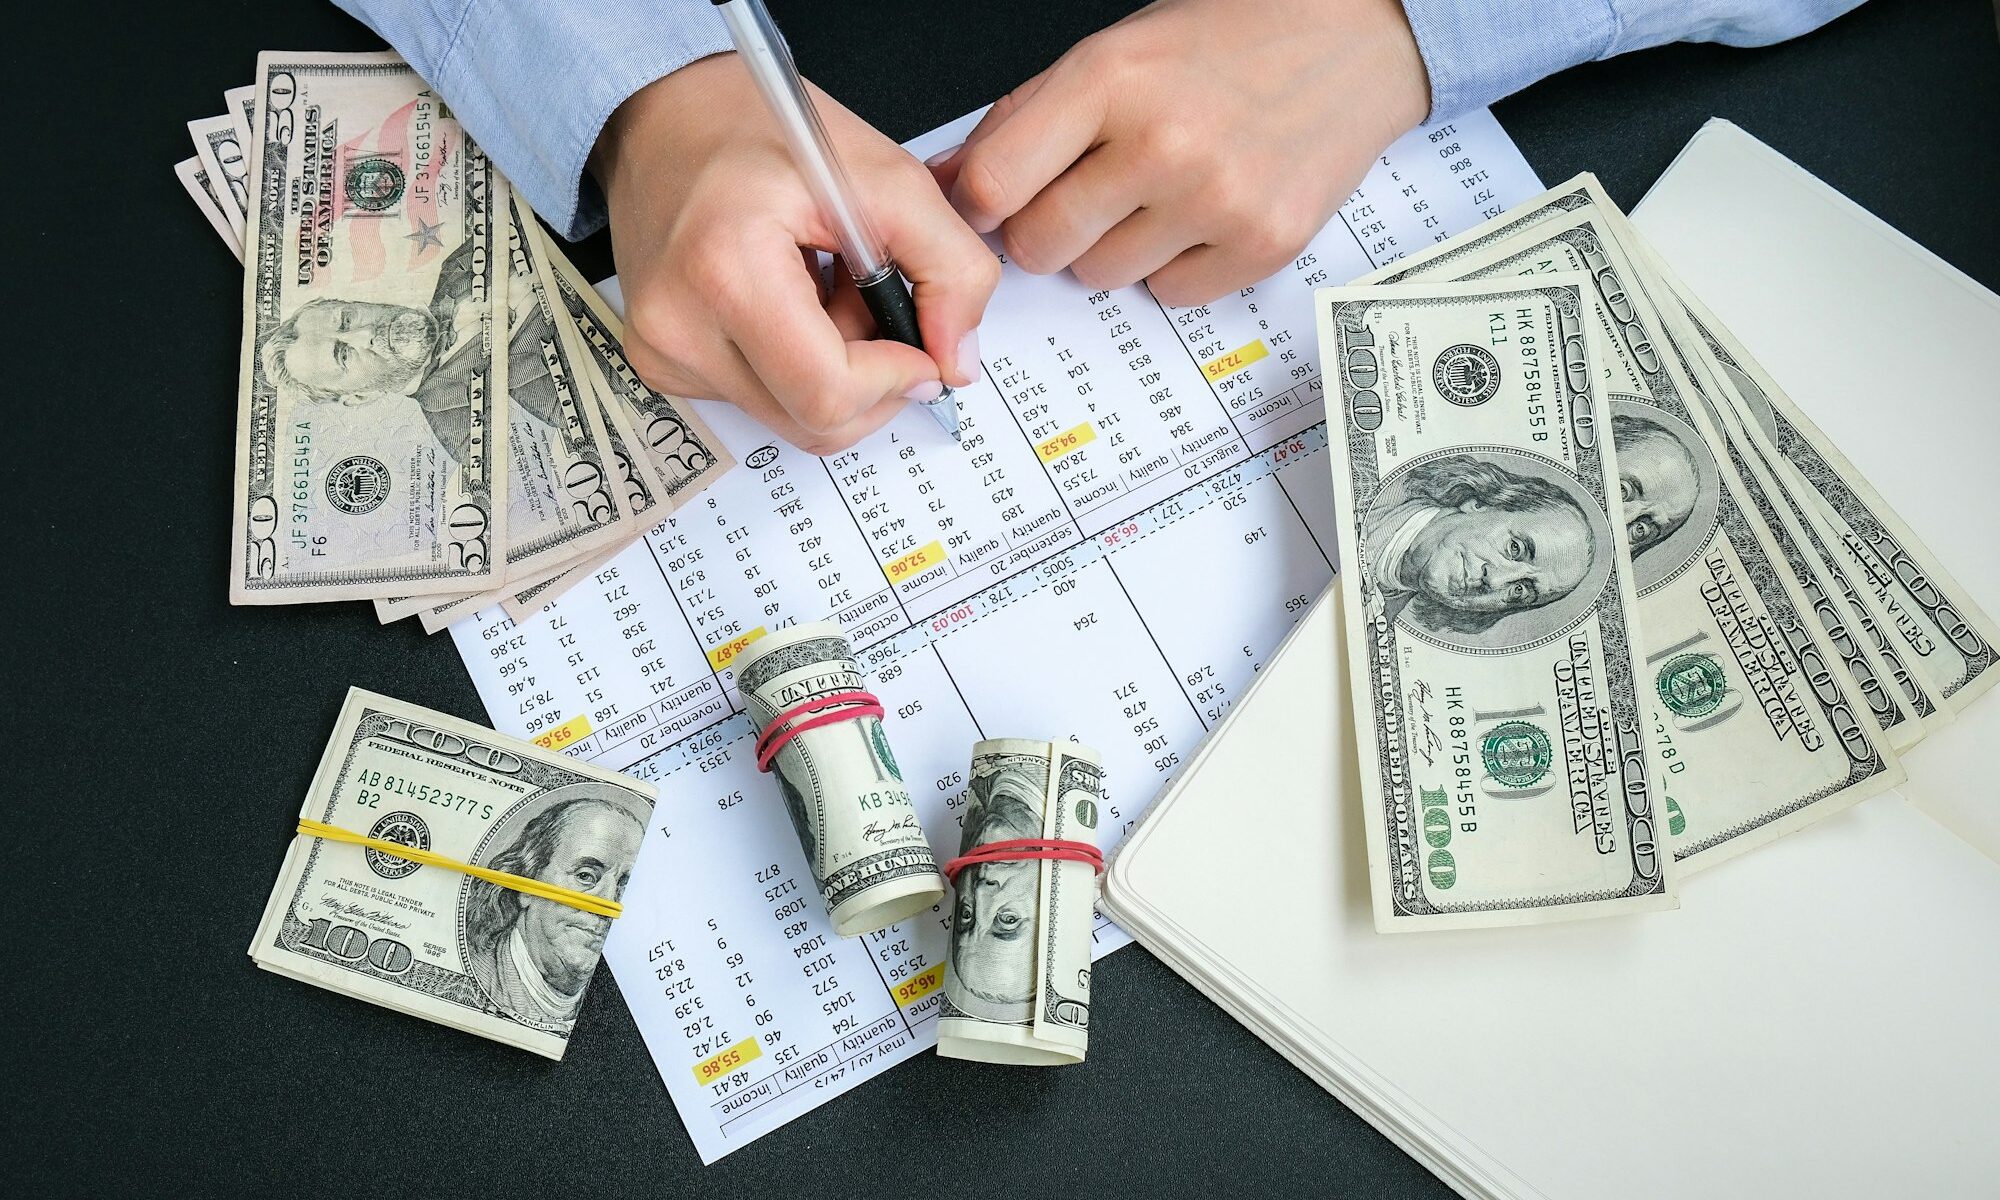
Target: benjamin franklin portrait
(993, 927)
(1460, 542)
(1658, 482)
(534, 957)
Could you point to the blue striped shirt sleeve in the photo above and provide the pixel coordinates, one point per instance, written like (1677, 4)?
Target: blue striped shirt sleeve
(1478, 51)
(533, 81)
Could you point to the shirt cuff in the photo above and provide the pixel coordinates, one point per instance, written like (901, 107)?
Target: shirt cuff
(533, 82)
(1477, 53)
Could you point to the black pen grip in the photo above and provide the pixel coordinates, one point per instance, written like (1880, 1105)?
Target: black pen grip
(888, 298)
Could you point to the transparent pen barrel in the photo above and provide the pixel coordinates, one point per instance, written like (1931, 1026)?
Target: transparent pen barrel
(763, 50)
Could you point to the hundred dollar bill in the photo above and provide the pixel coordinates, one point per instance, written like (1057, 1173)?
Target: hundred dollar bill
(1855, 624)
(1754, 729)
(840, 784)
(1951, 643)
(1902, 711)
(373, 395)
(1655, 359)
(217, 144)
(673, 442)
(427, 939)
(1017, 982)
(1490, 611)
(201, 189)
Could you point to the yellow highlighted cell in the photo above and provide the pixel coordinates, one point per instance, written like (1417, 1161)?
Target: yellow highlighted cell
(1234, 361)
(1066, 441)
(916, 561)
(562, 735)
(722, 1062)
(726, 653)
(916, 987)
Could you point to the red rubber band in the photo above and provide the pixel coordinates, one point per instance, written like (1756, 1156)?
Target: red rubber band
(852, 705)
(1024, 849)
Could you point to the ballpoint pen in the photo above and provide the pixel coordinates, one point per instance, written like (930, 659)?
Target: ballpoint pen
(762, 49)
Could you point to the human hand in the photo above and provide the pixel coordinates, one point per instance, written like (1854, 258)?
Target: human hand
(713, 231)
(1197, 144)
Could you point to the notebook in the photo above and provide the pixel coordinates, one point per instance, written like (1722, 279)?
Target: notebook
(1818, 1016)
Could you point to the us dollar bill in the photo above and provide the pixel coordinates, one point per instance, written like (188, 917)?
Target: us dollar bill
(567, 490)
(1490, 609)
(218, 144)
(1017, 978)
(840, 783)
(429, 940)
(672, 440)
(241, 105)
(1937, 628)
(1855, 625)
(201, 189)
(373, 392)
(1756, 732)
(1915, 704)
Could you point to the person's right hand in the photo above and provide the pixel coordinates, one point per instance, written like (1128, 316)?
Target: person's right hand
(708, 220)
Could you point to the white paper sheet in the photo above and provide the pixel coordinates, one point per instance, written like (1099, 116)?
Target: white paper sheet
(1133, 521)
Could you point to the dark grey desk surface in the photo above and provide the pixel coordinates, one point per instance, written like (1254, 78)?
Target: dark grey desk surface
(167, 737)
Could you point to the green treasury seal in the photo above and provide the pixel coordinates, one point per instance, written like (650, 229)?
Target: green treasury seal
(1516, 754)
(1692, 685)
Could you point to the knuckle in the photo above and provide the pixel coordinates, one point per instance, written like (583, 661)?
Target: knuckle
(819, 412)
(1026, 245)
(983, 273)
(1171, 144)
(980, 186)
(822, 445)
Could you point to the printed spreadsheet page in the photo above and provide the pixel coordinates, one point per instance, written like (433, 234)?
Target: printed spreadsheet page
(1138, 511)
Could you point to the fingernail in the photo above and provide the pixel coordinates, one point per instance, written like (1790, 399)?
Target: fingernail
(943, 156)
(925, 392)
(968, 356)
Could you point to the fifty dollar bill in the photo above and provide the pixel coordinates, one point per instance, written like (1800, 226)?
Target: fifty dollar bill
(373, 406)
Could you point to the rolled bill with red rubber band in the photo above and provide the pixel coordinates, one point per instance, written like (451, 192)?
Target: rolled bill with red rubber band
(830, 710)
(1025, 849)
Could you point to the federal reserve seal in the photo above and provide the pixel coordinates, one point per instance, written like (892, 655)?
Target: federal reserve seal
(404, 829)
(1693, 685)
(1516, 754)
(374, 184)
(357, 485)
(1467, 375)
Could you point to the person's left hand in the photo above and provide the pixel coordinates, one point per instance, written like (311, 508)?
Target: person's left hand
(1197, 144)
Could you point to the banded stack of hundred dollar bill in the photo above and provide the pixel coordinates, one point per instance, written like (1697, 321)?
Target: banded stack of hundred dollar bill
(1615, 609)
(435, 411)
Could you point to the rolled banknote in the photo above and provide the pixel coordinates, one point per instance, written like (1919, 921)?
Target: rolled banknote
(372, 410)
(840, 784)
(510, 962)
(1017, 979)
(1491, 615)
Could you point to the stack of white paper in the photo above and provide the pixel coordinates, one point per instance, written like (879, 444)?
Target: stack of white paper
(1817, 1019)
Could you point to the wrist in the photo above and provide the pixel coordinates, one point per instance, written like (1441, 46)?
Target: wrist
(669, 118)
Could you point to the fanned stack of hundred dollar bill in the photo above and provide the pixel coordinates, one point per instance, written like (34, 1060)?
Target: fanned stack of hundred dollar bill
(1616, 610)
(435, 409)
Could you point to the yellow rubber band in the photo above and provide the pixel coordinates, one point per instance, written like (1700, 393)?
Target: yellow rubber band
(584, 901)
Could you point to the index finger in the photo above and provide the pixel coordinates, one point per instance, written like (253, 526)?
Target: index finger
(771, 310)
(1007, 163)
